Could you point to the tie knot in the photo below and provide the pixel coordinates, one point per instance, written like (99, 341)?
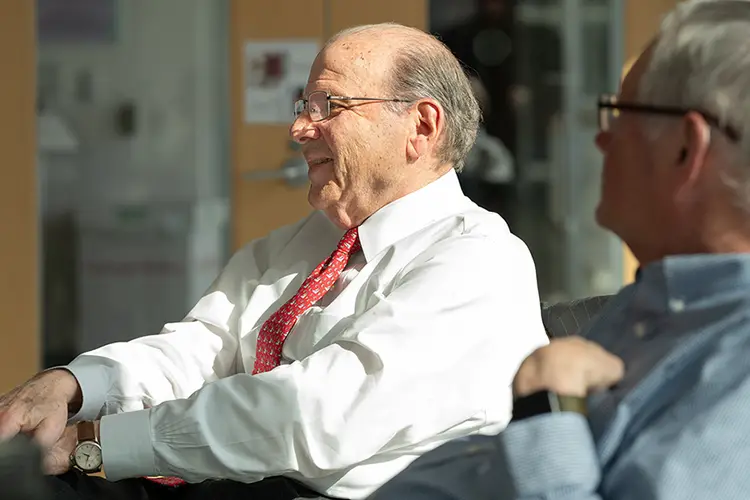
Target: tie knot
(349, 243)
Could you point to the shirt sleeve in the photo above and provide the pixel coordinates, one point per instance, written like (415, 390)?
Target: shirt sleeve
(436, 351)
(144, 372)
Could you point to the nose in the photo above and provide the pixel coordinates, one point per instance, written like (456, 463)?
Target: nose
(303, 129)
(602, 141)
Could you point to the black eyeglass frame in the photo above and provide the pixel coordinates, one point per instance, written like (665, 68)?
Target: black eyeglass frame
(301, 105)
(610, 101)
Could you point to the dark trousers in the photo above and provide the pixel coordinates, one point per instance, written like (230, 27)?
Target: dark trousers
(77, 486)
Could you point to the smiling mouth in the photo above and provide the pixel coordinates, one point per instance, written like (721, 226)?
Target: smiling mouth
(319, 161)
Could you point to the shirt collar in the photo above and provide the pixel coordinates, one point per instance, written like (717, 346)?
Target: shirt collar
(408, 214)
(687, 280)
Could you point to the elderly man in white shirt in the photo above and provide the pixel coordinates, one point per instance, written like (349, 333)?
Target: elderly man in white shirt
(277, 385)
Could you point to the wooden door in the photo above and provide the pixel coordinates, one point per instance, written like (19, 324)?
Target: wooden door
(259, 206)
(19, 290)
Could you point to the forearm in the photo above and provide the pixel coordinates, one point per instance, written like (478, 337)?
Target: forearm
(242, 428)
(248, 427)
(186, 355)
(147, 371)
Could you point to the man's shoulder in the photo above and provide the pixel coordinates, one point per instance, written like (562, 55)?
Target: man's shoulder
(314, 225)
(472, 219)
(302, 236)
(472, 227)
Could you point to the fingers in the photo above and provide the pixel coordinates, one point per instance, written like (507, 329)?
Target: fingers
(10, 424)
(56, 460)
(48, 432)
(610, 370)
(43, 417)
(605, 369)
(572, 366)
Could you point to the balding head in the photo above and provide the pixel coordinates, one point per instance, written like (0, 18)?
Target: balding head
(418, 66)
(387, 109)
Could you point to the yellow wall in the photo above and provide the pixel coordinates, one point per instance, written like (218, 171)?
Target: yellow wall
(19, 311)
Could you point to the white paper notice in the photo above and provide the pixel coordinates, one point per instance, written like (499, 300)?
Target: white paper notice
(275, 76)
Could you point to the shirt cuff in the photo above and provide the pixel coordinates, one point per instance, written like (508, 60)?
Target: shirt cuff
(546, 453)
(127, 450)
(94, 382)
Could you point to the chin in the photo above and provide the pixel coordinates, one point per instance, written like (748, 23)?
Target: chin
(314, 198)
(321, 198)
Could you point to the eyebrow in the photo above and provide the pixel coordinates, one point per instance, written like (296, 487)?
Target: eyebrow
(329, 90)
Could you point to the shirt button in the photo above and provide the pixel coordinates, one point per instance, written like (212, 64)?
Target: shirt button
(676, 305)
(639, 329)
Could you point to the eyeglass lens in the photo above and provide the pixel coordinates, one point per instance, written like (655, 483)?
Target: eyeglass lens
(317, 106)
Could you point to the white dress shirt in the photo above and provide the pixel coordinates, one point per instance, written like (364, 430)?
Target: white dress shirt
(416, 344)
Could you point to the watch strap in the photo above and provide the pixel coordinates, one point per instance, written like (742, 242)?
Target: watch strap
(86, 431)
(543, 402)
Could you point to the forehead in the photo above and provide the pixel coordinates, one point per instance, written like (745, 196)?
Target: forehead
(351, 65)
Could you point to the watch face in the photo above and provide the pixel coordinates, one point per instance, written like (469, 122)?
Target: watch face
(88, 456)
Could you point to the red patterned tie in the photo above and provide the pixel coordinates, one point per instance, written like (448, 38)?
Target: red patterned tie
(166, 481)
(279, 324)
(276, 328)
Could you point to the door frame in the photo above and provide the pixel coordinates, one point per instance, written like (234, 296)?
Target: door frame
(20, 355)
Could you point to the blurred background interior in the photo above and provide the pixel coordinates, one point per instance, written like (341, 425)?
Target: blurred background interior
(160, 146)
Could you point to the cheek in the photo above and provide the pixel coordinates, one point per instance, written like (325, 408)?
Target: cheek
(611, 176)
(343, 140)
(620, 186)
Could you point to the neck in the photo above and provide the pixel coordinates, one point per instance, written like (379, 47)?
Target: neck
(715, 242)
(359, 210)
(737, 242)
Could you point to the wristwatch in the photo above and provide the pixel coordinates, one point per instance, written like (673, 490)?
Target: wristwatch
(543, 402)
(87, 455)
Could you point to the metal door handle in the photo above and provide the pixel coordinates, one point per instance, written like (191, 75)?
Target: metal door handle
(292, 171)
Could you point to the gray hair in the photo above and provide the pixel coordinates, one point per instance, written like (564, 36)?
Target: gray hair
(425, 67)
(701, 61)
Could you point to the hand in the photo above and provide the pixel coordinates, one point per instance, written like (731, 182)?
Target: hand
(39, 407)
(56, 459)
(571, 366)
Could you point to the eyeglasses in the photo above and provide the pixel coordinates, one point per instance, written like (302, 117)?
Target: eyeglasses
(610, 109)
(318, 104)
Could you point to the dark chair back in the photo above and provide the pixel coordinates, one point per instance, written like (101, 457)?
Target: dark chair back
(569, 318)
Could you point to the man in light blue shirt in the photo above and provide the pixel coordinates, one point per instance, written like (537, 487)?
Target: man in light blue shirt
(665, 368)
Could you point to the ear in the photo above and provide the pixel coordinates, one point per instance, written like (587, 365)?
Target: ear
(426, 128)
(695, 143)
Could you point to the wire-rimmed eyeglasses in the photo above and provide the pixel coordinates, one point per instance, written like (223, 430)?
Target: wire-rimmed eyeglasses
(610, 109)
(318, 104)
